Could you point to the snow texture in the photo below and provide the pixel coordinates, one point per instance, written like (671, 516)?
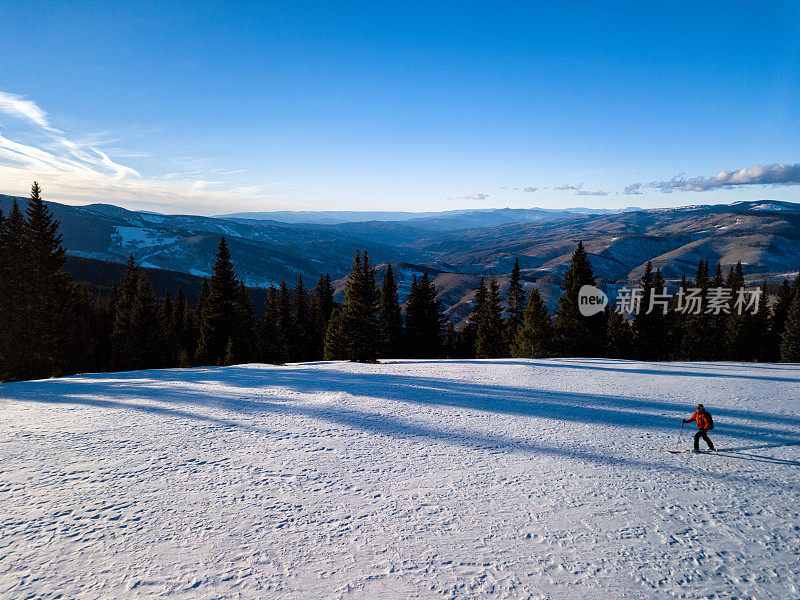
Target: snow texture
(409, 479)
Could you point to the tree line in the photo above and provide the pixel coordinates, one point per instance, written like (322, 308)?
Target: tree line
(52, 326)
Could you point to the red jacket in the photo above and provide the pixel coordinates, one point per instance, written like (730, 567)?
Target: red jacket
(703, 419)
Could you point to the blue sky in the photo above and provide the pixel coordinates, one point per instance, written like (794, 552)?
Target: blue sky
(418, 106)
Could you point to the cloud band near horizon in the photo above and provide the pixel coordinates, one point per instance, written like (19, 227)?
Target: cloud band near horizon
(772, 174)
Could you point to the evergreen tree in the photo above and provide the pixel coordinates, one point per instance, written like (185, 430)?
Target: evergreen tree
(777, 319)
(698, 327)
(469, 334)
(241, 343)
(575, 334)
(649, 324)
(46, 290)
(658, 317)
(758, 325)
(87, 334)
(424, 319)
(283, 322)
(202, 298)
(790, 339)
(183, 330)
(168, 329)
(717, 321)
(13, 297)
(121, 352)
(356, 330)
(490, 338)
(515, 303)
(450, 342)
(336, 339)
(302, 344)
(322, 307)
(217, 320)
(619, 336)
(738, 343)
(146, 327)
(534, 338)
(674, 323)
(642, 333)
(136, 338)
(271, 346)
(390, 319)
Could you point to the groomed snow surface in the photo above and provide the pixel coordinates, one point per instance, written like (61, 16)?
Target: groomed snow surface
(409, 479)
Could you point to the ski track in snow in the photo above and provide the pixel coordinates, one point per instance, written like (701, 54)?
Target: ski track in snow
(408, 479)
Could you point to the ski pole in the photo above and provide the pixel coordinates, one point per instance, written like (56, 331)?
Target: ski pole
(677, 447)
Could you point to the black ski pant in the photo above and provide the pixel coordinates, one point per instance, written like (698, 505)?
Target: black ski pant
(703, 433)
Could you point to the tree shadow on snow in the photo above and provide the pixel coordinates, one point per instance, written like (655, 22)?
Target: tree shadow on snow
(239, 389)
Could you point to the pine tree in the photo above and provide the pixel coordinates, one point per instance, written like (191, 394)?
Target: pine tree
(450, 342)
(424, 319)
(336, 339)
(168, 328)
(738, 344)
(674, 323)
(217, 320)
(302, 343)
(717, 321)
(322, 304)
(121, 358)
(354, 336)
(86, 334)
(490, 339)
(698, 327)
(136, 338)
(390, 319)
(649, 326)
(183, 330)
(46, 291)
(642, 330)
(534, 338)
(619, 336)
(777, 318)
(146, 327)
(242, 339)
(470, 332)
(515, 303)
(13, 297)
(284, 324)
(758, 325)
(575, 334)
(790, 339)
(271, 347)
(202, 298)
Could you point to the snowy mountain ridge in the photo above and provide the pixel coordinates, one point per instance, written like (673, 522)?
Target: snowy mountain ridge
(764, 235)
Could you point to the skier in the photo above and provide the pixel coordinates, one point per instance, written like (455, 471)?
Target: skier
(704, 424)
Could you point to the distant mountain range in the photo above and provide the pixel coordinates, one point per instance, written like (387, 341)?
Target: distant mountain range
(458, 247)
(444, 220)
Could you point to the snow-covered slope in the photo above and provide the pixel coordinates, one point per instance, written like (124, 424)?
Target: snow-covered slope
(461, 479)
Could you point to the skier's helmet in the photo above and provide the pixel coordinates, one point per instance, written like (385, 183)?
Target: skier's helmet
(700, 407)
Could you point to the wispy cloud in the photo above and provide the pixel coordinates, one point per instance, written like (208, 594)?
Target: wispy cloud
(470, 197)
(591, 193)
(567, 186)
(775, 174)
(18, 106)
(530, 189)
(633, 189)
(76, 169)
